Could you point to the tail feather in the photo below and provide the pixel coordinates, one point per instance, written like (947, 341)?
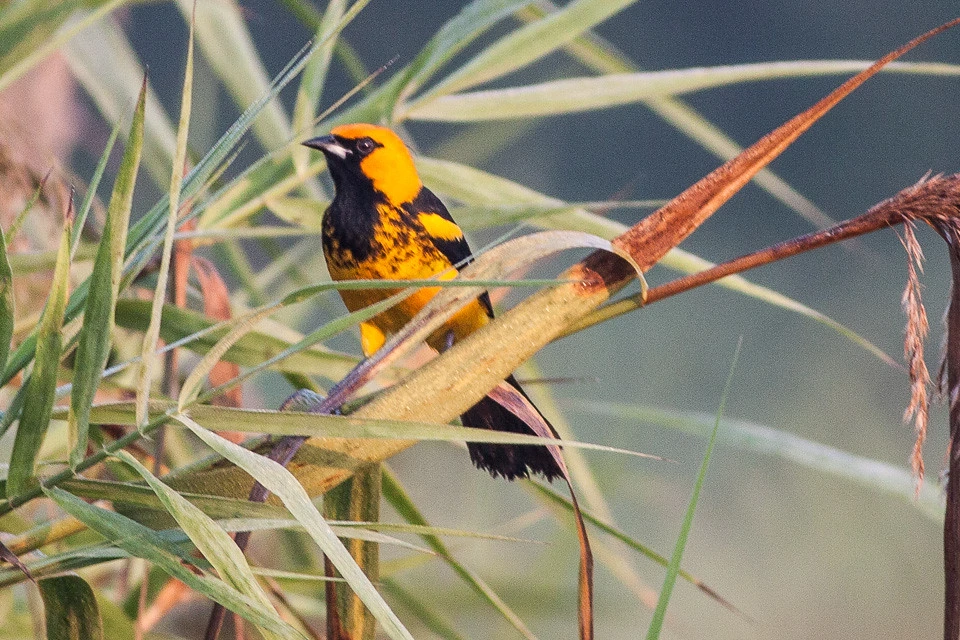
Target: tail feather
(508, 460)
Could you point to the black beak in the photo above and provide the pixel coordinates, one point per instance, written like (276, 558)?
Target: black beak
(328, 145)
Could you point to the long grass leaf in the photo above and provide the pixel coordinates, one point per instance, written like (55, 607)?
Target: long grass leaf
(41, 386)
(7, 302)
(673, 569)
(98, 319)
(281, 483)
(59, 563)
(192, 330)
(570, 95)
(84, 210)
(70, 609)
(147, 359)
(215, 545)
(31, 31)
(528, 43)
(142, 542)
(287, 423)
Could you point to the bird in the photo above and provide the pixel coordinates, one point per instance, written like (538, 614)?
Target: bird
(384, 224)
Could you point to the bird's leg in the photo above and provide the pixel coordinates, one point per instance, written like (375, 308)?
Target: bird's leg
(448, 339)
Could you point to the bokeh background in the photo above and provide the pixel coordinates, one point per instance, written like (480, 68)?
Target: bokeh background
(801, 553)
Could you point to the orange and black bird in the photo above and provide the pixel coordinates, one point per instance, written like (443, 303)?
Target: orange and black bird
(383, 224)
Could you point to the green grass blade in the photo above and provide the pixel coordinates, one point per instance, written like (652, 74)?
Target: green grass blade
(528, 43)
(41, 387)
(7, 303)
(147, 358)
(673, 569)
(215, 545)
(571, 95)
(142, 238)
(398, 498)
(70, 609)
(92, 191)
(553, 499)
(97, 332)
(280, 482)
(59, 563)
(288, 423)
(142, 542)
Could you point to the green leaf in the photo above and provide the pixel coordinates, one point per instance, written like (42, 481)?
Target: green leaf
(98, 319)
(152, 335)
(528, 43)
(70, 609)
(279, 481)
(81, 219)
(673, 569)
(600, 56)
(570, 95)
(30, 31)
(141, 542)
(7, 303)
(215, 545)
(41, 386)
(287, 423)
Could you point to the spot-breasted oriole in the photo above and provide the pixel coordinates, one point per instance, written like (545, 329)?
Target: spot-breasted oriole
(384, 224)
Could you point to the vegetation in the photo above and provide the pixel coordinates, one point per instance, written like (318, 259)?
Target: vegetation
(150, 339)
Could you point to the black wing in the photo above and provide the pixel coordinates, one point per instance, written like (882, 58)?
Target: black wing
(457, 251)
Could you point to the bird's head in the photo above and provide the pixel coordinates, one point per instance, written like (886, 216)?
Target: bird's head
(364, 156)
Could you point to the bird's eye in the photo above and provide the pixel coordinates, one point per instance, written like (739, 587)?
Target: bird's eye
(365, 146)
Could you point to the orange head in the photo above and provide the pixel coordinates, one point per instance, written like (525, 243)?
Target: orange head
(365, 156)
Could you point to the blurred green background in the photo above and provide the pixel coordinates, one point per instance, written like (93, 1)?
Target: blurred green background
(802, 554)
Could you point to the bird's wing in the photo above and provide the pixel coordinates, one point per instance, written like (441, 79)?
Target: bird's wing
(445, 234)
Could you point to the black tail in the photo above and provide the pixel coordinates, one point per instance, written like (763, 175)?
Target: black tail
(508, 460)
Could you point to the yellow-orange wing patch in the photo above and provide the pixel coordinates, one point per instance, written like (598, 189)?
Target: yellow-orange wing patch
(439, 227)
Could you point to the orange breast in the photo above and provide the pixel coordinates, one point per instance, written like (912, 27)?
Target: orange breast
(399, 255)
